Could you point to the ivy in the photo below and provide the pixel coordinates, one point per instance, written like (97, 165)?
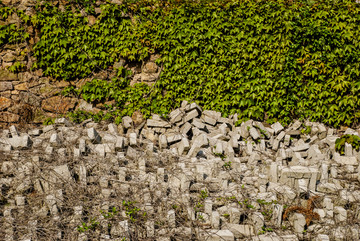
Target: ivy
(265, 60)
(353, 140)
(11, 33)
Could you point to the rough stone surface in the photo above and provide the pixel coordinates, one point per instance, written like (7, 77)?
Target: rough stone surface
(58, 104)
(4, 103)
(9, 117)
(194, 177)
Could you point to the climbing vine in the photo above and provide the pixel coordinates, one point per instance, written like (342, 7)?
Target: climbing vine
(265, 60)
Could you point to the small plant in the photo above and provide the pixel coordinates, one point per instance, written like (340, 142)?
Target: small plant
(265, 229)
(306, 130)
(231, 198)
(221, 155)
(227, 165)
(17, 67)
(204, 194)
(109, 215)
(226, 215)
(353, 140)
(201, 217)
(70, 91)
(198, 205)
(49, 121)
(262, 132)
(88, 226)
(246, 204)
(131, 211)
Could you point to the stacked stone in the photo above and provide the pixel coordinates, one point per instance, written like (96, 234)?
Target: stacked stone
(221, 175)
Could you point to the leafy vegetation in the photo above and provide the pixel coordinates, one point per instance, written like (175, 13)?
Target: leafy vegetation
(11, 33)
(272, 60)
(353, 140)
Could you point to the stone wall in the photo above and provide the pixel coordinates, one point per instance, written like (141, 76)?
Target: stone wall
(29, 97)
(193, 177)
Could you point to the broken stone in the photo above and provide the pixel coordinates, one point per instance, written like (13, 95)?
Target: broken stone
(127, 122)
(191, 115)
(13, 131)
(63, 172)
(94, 135)
(20, 141)
(340, 214)
(55, 140)
(157, 123)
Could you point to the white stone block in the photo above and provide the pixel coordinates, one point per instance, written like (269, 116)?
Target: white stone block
(100, 150)
(208, 206)
(254, 133)
(127, 122)
(13, 131)
(55, 140)
(241, 231)
(298, 221)
(191, 115)
(184, 146)
(258, 221)
(277, 127)
(277, 215)
(131, 153)
(20, 141)
(329, 188)
(163, 142)
(219, 235)
(173, 138)
(322, 237)
(209, 120)
(63, 172)
(340, 214)
(348, 149)
(157, 123)
(175, 115)
(94, 136)
(133, 139)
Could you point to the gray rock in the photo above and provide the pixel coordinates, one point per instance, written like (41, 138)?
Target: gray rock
(198, 123)
(240, 230)
(277, 127)
(20, 141)
(176, 116)
(64, 172)
(62, 121)
(193, 106)
(340, 214)
(263, 131)
(191, 115)
(94, 136)
(133, 139)
(131, 153)
(209, 120)
(113, 129)
(13, 130)
(298, 221)
(157, 123)
(55, 140)
(254, 133)
(127, 122)
(329, 188)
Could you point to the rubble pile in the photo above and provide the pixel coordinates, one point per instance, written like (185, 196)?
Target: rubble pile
(193, 176)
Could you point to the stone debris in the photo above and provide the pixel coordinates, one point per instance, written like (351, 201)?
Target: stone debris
(195, 168)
